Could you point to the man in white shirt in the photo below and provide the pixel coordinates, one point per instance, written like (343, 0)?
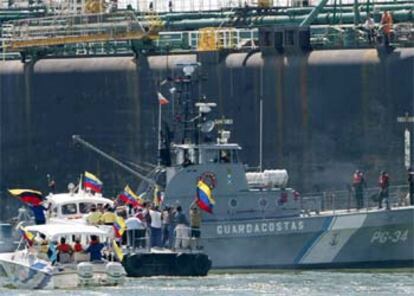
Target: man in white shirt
(155, 227)
(135, 232)
(369, 27)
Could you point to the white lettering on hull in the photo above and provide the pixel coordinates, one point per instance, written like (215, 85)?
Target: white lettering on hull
(264, 227)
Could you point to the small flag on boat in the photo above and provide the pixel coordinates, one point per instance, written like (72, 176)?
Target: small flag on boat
(92, 182)
(27, 235)
(161, 99)
(118, 251)
(205, 199)
(28, 196)
(130, 197)
(158, 196)
(119, 227)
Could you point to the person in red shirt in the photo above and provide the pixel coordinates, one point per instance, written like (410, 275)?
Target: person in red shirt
(384, 184)
(386, 22)
(358, 183)
(64, 251)
(77, 247)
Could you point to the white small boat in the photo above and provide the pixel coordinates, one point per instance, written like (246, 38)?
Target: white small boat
(26, 270)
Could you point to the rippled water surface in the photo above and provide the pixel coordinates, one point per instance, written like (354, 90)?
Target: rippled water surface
(373, 282)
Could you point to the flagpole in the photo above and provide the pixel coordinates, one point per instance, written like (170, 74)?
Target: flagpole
(159, 133)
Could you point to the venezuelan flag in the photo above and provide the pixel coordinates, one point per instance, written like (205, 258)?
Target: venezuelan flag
(92, 182)
(27, 235)
(119, 226)
(205, 199)
(28, 196)
(130, 197)
(118, 251)
(158, 197)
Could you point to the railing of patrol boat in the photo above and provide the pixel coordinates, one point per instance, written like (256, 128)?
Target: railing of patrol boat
(340, 201)
(143, 244)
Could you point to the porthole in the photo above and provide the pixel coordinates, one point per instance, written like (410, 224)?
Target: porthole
(263, 203)
(233, 203)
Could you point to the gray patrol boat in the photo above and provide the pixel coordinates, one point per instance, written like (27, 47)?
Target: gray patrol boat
(257, 220)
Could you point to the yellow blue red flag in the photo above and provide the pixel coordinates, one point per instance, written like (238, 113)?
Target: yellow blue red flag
(92, 182)
(118, 251)
(158, 197)
(205, 199)
(130, 197)
(28, 196)
(119, 226)
(27, 235)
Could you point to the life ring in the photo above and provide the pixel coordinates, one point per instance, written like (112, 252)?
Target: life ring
(209, 178)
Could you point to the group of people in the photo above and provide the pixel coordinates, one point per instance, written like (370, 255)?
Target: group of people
(386, 27)
(359, 184)
(63, 252)
(168, 227)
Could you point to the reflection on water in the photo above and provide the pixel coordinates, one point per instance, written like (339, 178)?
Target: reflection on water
(306, 283)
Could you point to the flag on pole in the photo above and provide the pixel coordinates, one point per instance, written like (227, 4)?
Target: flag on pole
(118, 251)
(130, 197)
(28, 196)
(92, 182)
(205, 199)
(161, 99)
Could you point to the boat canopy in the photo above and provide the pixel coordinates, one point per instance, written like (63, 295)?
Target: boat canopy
(54, 231)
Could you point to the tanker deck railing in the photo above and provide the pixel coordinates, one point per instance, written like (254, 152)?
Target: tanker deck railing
(335, 202)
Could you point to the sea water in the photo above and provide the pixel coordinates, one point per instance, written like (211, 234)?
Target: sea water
(239, 283)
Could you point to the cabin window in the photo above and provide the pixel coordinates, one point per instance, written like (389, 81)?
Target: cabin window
(225, 156)
(209, 156)
(69, 209)
(85, 207)
(235, 156)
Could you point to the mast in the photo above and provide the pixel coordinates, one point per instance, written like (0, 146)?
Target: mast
(261, 136)
(159, 134)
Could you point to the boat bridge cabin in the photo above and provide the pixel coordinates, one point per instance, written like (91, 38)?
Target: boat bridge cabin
(189, 154)
(75, 205)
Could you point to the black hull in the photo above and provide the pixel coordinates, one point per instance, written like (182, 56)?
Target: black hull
(166, 264)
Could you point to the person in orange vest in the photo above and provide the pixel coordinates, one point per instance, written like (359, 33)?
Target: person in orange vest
(386, 22)
(358, 183)
(384, 184)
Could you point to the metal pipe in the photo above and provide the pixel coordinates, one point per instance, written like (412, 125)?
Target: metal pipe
(321, 19)
(357, 17)
(313, 14)
(78, 139)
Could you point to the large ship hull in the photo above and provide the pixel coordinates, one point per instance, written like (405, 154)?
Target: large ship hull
(376, 238)
(326, 113)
